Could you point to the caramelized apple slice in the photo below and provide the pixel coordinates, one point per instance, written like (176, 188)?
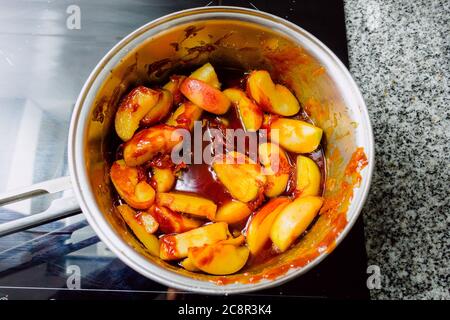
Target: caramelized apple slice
(150, 224)
(160, 110)
(175, 247)
(308, 177)
(132, 219)
(240, 175)
(149, 142)
(187, 203)
(173, 86)
(205, 96)
(164, 179)
(219, 259)
(249, 113)
(185, 116)
(242, 178)
(274, 98)
(189, 265)
(276, 165)
(206, 73)
(138, 194)
(293, 220)
(173, 222)
(295, 135)
(132, 109)
(232, 212)
(258, 230)
(234, 241)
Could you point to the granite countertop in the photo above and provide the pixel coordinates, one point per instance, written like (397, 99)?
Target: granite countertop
(399, 55)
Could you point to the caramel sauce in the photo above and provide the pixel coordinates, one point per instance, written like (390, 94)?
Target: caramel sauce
(201, 180)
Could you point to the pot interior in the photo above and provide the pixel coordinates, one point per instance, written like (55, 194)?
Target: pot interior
(235, 43)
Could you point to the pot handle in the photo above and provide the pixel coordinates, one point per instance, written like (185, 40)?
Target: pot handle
(59, 208)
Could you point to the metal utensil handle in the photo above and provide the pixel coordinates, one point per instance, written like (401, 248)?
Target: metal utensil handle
(59, 208)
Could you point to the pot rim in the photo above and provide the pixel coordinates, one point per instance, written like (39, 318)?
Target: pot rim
(84, 193)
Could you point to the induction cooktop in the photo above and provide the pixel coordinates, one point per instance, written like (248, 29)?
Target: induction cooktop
(44, 63)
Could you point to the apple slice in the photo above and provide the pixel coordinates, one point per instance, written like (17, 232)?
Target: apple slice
(150, 224)
(138, 194)
(250, 114)
(173, 86)
(258, 230)
(232, 212)
(308, 177)
(187, 203)
(277, 168)
(205, 96)
(295, 135)
(241, 176)
(239, 240)
(136, 225)
(274, 98)
(164, 179)
(219, 259)
(189, 265)
(149, 142)
(293, 220)
(206, 73)
(175, 247)
(173, 222)
(185, 116)
(132, 109)
(160, 109)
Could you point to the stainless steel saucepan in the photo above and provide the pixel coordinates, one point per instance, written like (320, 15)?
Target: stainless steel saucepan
(231, 37)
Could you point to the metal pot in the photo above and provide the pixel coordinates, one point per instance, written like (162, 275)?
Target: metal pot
(233, 37)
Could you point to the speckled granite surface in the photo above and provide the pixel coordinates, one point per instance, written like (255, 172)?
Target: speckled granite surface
(400, 56)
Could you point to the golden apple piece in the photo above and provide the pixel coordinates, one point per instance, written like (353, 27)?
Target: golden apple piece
(164, 179)
(137, 194)
(241, 176)
(173, 222)
(160, 110)
(295, 135)
(205, 96)
(258, 230)
(308, 177)
(274, 98)
(132, 109)
(185, 116)
(219, 259)
(150, 224)
(277, 168)
(136, 225)
(176, 246)
(187, 203)
(149, 142)
(293, 220)
(206, 73)
(250, 114)
(189, 265)
(232, 212)
(239, 240)
(173, 86)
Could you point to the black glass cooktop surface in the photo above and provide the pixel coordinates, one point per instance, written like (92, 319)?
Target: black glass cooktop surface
(44, 63)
